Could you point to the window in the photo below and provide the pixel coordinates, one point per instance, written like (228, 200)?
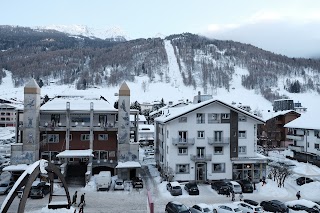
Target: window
(218, 150)
(201, 152)
(167, 133)
(103, 137)
(53, 138)
(182, 168)
(242, 118)
(112, 154)
(242, 149)
(85, 137)
(183, 120)
(200, 118)
(182, 151)
(225, 116)
(218, 168)
(316, 146)
(183, 136)
(213, 118)
(200, 134)
(242, 134)
(217, 136)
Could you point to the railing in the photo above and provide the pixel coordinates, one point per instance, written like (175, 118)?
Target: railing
(198, 158)
(295, 137)
(183, 141)
(296, 148)
(218, 141)
(214, 121)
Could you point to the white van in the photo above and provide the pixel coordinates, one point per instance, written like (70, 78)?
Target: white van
(235, 186)
(103, 180)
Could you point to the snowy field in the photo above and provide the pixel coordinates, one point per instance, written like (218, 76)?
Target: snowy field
(135, 200)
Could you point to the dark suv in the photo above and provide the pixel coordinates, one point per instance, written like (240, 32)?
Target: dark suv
(246, 186)
(303, 180)
(274, 206)
(176, 207)
(192, 188)
(221, 187)
(39, 190)
(137, 182)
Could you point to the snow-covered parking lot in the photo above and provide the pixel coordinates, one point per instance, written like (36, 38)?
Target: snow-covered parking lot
(135, 200)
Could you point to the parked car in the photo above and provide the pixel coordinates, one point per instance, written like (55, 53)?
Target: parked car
(235, 186)
(303, 180)
(246, 186)
(103, 180)
(174, 188)
(274, 206)
(303, 205)
(251, 202)
(202, 207)
(221, 187)
(248, 208)
(192, 188)
(119, 184)
(228, 208)
(39, 189)
(176, 207)
(137, 182)
(5, 186)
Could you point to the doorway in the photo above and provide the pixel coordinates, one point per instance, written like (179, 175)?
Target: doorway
(201, 172)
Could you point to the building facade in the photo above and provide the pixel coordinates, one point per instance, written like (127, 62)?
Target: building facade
(206, 141)
(304, 132)
(81, 135)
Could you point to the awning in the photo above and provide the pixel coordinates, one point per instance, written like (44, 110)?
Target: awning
(250, 160)
(16, 168)
(75, 153)
(128, 164)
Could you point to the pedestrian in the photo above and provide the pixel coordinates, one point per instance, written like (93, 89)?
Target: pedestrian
(81, 208)
(263, 181)
(228, 192)
(241, 196)
(298, 195)
(82, 201)
(74, 198)
(232, 196)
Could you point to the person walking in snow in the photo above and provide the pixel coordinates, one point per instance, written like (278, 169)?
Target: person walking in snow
(74, 198)
(232, 196)
(228, 192)
(82, 201)
(241, 196)
(81, 208)
(298, 195)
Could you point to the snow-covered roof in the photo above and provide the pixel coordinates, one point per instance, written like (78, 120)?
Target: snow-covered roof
(307, 120)
(19, 167)
(173, 113)
(78, 103)
(75, 153)
(128, 164)
(146, 128)
(141, 118)
(273, 114)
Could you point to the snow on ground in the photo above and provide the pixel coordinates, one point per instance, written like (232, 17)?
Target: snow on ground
(7, 133)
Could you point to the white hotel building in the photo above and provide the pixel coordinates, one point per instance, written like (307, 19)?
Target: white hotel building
(206, 141)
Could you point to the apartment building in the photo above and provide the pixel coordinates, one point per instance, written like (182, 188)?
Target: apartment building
(209, 140)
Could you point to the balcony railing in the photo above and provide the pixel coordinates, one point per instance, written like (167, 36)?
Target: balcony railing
(201, 158)
(183, 141)
(295, 137)
(296, 148)
(218, 141)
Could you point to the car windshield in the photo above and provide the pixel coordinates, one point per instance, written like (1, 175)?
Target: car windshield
(4, 185)
(176, 187)
(206, 210)
(182, 208)
(119, 183)
(237, 186)
(237, 210)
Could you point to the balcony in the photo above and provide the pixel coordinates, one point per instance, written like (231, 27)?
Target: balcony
(201, 158)
(183, 141)
(296, 148)
(218, 141)
(296, 137)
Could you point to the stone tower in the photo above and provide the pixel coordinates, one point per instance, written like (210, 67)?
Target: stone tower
(31, 116)
(124, 123)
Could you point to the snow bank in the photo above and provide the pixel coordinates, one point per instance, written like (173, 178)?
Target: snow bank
(271, 189)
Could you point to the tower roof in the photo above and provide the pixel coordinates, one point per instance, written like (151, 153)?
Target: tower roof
(32, 87)
(124, 90)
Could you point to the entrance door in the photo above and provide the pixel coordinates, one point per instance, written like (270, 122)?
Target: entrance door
(201, 171)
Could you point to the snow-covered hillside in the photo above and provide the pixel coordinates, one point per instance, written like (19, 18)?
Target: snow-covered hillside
(172, 91)
(111, 32)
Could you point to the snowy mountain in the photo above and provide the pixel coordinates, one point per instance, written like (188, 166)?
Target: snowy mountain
(112, 33)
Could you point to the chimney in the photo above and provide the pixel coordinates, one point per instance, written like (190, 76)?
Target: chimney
(199, 96)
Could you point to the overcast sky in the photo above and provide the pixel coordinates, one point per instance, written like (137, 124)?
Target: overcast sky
(289, 27)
